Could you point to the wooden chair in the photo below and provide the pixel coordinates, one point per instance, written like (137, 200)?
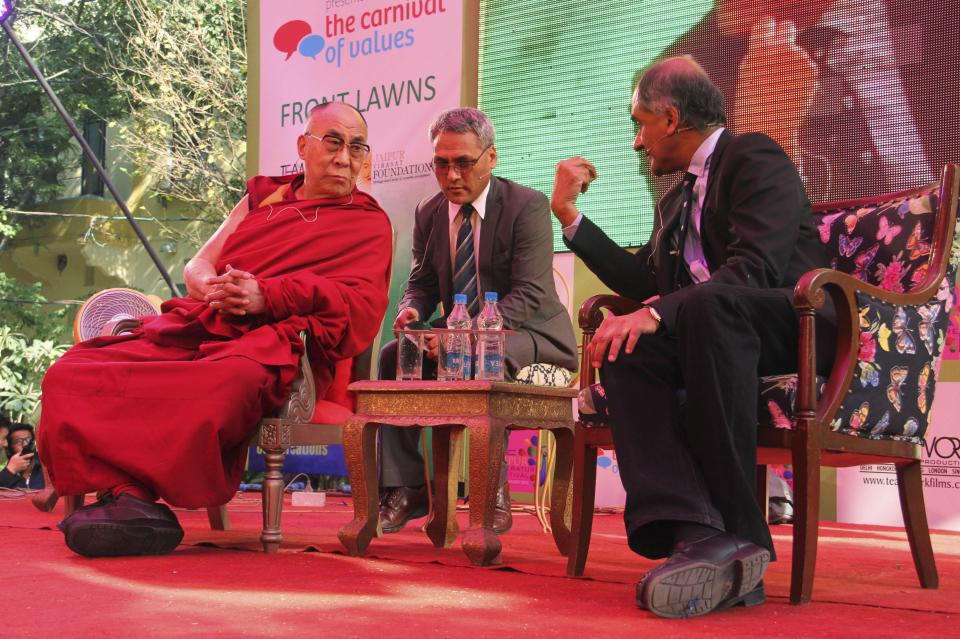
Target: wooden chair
(892, 288)
(112, 311)
(304, 421)
(307, 421)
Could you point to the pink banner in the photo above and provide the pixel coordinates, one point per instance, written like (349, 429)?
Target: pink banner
(398, 62)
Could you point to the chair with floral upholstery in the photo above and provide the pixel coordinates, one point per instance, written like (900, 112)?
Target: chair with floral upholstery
(892, 282)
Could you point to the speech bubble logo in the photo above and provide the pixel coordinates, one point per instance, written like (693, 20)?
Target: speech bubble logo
(289, 35)
(311, 46)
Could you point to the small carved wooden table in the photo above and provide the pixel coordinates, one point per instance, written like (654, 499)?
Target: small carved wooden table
(486, 410)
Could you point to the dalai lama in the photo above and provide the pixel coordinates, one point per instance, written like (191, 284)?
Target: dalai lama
(166, 412)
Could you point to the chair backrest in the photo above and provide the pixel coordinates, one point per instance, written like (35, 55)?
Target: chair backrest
(900, 243)
(884, 241)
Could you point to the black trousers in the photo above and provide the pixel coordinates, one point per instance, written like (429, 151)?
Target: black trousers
(401, 463)
(683, 412)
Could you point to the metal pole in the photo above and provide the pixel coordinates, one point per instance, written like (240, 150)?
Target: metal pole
(90, 155)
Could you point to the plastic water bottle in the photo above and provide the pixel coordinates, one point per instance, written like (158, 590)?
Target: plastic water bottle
(459, 351)
(490, 340)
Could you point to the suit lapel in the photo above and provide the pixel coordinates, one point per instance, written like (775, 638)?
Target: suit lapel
(488, 229)
(718, 150)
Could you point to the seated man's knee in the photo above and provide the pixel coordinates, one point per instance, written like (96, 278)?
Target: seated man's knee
(388, 361)
(629, 363)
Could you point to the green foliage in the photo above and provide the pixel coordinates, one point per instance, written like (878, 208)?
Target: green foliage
(23, 363)
(171, 76)
(184, 70)
(30, 336)
(23, 310)
(68, 39)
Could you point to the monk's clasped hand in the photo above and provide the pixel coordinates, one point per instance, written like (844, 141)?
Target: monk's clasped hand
(235, 292)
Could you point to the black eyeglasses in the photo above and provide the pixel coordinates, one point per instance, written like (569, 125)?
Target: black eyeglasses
(462, 165)
(333, 144)
(21, 440)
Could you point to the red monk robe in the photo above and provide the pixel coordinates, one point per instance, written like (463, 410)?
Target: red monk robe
(171, 406)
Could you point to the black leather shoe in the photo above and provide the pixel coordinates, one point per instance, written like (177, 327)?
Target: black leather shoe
(121, 526)
(502, 517)
(712, 574)
(400, 505)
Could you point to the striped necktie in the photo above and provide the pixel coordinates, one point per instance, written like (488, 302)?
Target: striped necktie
(682, 274)
(464, 264)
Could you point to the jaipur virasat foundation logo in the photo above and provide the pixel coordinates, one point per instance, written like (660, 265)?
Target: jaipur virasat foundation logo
(373, 32)
(397, 166)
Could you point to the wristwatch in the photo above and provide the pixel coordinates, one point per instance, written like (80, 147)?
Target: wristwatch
(655, 315)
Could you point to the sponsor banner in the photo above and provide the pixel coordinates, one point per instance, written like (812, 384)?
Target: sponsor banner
(868, 494)
(522, 462)
(398, 62)
(610, 492)
(314, 460)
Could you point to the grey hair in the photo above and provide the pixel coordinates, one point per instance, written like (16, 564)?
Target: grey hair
(682, 83)
(465, 120)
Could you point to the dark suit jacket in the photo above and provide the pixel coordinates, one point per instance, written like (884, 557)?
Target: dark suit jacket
(515, 260)
(756, 227)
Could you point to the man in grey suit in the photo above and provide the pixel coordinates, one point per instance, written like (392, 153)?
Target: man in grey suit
(497, 234)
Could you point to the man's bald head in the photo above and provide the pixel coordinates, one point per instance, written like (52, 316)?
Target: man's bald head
(324, 107)
(682, 83)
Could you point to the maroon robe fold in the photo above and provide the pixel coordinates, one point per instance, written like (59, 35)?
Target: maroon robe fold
(171, 406)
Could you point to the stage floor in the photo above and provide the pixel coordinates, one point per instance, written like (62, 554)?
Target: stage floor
(219, 584)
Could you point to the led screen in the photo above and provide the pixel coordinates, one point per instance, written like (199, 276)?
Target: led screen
(861, 93)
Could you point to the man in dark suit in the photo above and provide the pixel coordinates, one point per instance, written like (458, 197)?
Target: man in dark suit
(480, 233)
(729, 243)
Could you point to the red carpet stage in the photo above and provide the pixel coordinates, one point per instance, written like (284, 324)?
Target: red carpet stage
(215, 584)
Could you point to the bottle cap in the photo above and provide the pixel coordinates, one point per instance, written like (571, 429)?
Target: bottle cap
(490, 296)
(459, 298)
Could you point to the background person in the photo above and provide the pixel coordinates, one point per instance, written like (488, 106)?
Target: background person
(23, 469)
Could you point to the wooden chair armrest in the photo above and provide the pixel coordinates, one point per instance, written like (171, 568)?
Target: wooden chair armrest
(591, 311)
(590, 317)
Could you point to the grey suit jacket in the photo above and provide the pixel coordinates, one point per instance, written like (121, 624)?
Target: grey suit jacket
(515, 260)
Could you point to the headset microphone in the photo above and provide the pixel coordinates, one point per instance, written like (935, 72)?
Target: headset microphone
(647, 149)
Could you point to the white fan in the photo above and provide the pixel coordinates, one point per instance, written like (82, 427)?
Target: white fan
(120, 308)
